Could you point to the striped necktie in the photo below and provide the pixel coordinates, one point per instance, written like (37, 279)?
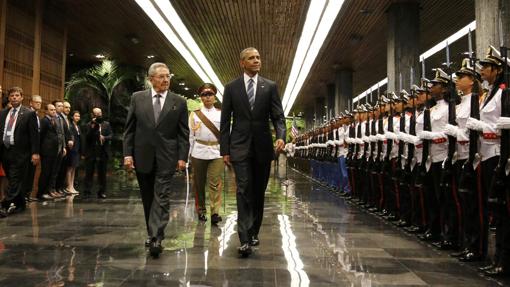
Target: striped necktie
(251, 93)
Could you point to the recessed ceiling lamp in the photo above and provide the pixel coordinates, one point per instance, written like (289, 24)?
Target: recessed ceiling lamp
(164, 16)
(438, 47)
(182, 84)
(100, 56)
(150, 56)
(186, 88)
(319, 19)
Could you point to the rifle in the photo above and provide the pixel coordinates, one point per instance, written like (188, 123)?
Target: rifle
(500, 190)
(468, 178)
(452, 99)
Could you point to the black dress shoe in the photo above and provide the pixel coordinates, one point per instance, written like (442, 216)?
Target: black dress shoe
(148, 242)
(202, 217)
(447, 245)
(101, 195)
(254, 241)
(155, 248)
(498, 271)
(215, 218)
(244, 250)
(17, 209)
(428, 236)
(470, 257)
(460, 253)
(488, 267)
(402, 223)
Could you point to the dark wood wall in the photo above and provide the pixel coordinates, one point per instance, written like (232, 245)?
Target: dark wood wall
(33, 48)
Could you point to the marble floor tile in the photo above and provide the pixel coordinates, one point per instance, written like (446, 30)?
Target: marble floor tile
(309, 237)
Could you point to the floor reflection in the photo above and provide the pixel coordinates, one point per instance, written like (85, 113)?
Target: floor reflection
(309, 237)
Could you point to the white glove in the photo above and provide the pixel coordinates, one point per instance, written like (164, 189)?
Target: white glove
(474, 124)
(503, 123)
(451, 130)
(426, 135)
(390, 135)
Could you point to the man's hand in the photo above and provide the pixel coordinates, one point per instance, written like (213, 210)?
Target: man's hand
(279, 145)
(64, 152)
(35, 159)
(129, 163)
(226, 160)
(181, 165)
(70, 144)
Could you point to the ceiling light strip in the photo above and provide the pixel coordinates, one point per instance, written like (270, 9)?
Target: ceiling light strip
(303, 61)
(312, 21)
(152, 12)
(427, 54)
(171, 14)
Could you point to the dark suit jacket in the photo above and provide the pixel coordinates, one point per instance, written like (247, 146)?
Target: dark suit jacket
(26, 134)
(92, 144)
(165, 141)
(52, 140)
(250, 128)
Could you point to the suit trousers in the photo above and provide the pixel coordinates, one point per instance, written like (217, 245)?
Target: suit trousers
(15, 164)
(251, 178)
(207, 172)
(48, 166)
(155, 190)
(433, 197)
(55, 170)
(60, 182)
(90, 167)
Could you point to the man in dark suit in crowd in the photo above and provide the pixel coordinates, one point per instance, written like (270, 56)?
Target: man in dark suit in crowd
(98, 135)
(251, 101)
(156, 140)
(52, 149)
(19, 148)
(35, 105)
(63, 110)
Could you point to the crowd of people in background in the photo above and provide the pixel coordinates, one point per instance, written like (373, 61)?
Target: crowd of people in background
(41, 149)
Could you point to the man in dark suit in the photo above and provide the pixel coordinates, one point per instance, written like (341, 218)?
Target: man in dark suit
(252, 101)
(156, 140)
(52, 150)
(98, 135)
(20, 147)
(63, 110)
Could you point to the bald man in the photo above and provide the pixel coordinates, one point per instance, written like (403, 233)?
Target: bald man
(98, 135)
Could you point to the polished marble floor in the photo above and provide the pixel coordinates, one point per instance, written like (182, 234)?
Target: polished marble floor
(310, 237)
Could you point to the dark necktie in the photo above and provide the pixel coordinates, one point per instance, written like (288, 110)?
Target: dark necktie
(251, 93)
(157, 107)
(8, 132)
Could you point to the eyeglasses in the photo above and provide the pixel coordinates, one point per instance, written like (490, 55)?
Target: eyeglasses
(207, 94)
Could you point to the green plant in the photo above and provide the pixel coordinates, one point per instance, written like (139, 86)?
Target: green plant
(103, 79)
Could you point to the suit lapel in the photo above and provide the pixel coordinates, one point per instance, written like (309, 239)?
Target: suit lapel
(147, 106)
(169, 104)
(244, 95)
(21, 114)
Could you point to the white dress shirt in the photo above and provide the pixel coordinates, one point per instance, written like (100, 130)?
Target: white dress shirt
(247, 82)
(199, 131)
(162, 99)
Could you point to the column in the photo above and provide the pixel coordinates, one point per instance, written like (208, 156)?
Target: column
(403, 44)
(332, 111)
(492, 21)
(320, 110)
(343, 89)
